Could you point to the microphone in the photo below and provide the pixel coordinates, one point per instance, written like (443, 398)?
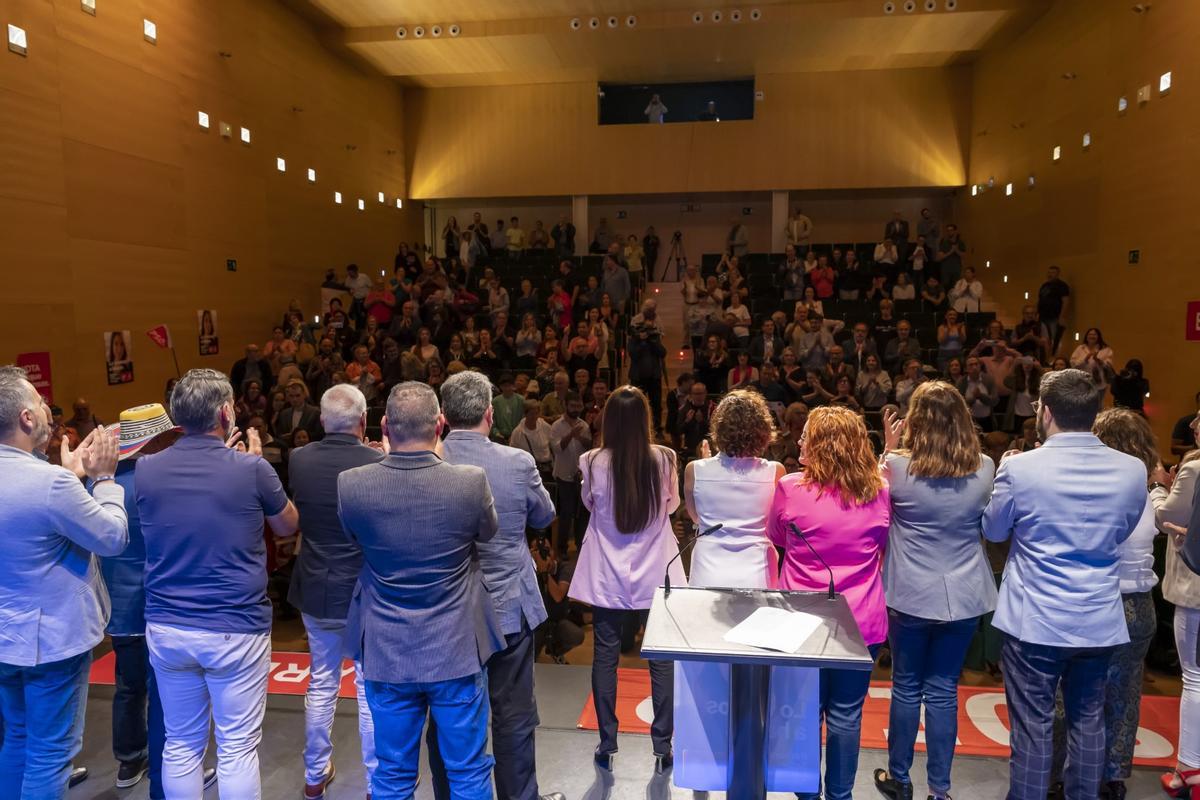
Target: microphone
(682, 550)
(813, 550)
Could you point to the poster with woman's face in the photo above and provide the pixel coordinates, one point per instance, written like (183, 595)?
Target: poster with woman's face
(118, 357)
(209, 343)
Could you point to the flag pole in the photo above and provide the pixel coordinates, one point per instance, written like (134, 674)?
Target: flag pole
(175, 358)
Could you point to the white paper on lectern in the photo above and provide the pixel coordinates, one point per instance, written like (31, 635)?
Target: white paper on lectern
(774, 629)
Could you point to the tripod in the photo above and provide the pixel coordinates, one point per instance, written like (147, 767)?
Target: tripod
(678, 255)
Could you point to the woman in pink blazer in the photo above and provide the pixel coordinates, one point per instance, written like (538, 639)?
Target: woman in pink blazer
(840, 504)
(631, 487)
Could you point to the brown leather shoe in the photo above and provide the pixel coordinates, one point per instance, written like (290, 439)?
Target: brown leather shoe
(315, 791)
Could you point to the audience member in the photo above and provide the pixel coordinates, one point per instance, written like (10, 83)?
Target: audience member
(1053, 303)
(570, 437)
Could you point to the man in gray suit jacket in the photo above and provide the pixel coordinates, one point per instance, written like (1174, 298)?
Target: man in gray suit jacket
(511, 581)
(325, 574)
(53, 604)
(421, 622)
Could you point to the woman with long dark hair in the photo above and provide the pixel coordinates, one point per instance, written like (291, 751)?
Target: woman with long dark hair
(936, 576)
(840, 504)
(631, 487)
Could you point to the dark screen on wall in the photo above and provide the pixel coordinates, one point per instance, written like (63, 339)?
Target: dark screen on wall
(625, 103)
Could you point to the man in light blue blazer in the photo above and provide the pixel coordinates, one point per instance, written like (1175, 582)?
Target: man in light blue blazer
(508, 572)
(1067, 506)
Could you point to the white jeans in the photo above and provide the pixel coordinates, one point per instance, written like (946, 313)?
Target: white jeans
(1187, 628)
(201, 673)
(325, 638)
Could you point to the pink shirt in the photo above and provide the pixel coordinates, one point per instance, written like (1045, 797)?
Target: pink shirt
(622, 570)
(851, 539)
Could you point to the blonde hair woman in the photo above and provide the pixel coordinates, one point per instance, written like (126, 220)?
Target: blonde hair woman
(936, 575)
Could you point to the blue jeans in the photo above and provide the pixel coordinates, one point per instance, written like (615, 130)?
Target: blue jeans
(1033, 674)
(42, 708)
(137, 720)
(843, 692)
(927, 658)
(460, 709)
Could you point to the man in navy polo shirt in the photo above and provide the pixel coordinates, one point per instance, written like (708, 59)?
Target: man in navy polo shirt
(208, 619)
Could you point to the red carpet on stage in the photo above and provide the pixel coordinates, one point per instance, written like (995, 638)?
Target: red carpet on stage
(982, 719)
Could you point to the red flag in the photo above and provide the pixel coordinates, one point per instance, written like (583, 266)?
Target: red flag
(161, 336)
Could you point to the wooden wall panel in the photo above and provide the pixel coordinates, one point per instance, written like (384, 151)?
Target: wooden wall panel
(122, 211)
(1133, 189)
(832, 130)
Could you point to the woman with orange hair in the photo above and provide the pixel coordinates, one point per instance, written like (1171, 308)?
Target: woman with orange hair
(840, 504)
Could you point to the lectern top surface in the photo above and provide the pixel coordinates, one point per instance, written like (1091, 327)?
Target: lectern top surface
(690, 625)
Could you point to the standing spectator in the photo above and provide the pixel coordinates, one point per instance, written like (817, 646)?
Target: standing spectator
(208, 619)
(928, 227)
(966, 293)
(896, 231)
(873, 385)
(1130, 388)
(359, 286)
(655, 110)
(917, 259)
(451, 236)
(533, 436)
(951, 337)
(602, 237)
(797, 230)
(83, 421)
(539, 239)
(900, 349)
(735, 488)
(498, 240)
(510, 580)
(646, 354)
(364, 373)
(904, 289)
(515, 239)
(934, 295)
(251, 367)
(1053, 303)
(913, 377)
(840, 505)
(650, 247)
(380, 302)
(693, 421)
(432, 627)
(1095, 357)
(1067, 507)
(324, 577)
(570, 437)
(469, 251)
(508, 408)
(635, 256)
(299, 414)
(563, 234)
(1030, 337)
(937, 578)
(614, 282)
(949, 256)
(632, 489)
(737, 242)
(53, 603)
(1174, 505)
(979, 390)
(822, 278)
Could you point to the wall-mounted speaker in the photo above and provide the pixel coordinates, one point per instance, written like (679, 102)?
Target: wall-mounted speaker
(889, 7)
(455, 30)
(419, 32)
(401, 32)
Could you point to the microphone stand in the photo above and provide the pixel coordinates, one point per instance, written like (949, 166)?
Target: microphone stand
(832, 594)
(682, 550)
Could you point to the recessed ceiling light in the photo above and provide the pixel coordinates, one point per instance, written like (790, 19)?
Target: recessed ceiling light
(202, 119)
(337, 198)
(280, 164)
(381, 198)
(245, 136)
(974, 189)
(1164, 83)
(1087, 140)
(362, 205)
(149, 31)
(88, 6)
(399, 203)
(312, 175)
(1056, 154)
(1122, 104)
(1008, 190)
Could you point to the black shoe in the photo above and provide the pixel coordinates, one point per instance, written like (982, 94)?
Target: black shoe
(891, 788)
(210, 777)
(605, 760)
(663, 762)
(78, 776)
(130, 773)
(1113, 790)
(1057, 791)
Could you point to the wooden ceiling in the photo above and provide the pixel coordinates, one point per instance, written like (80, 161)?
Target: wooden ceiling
(503, 42)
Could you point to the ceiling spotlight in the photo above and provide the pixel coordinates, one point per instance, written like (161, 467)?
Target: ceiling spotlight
(931, 5)
(88, 6)
(910, 6)
(717, 16)
(951, 5)
(381, 198)
(1164, 83)
(399, 203)
(362, 205)
(889, 7)
(149, 31)
(735, 15)
(630, 21)
(576, 24)
(312, 175)
(613, 22)
(1008, 190)
(402, 32)
(337, 198)
(18, 42)
(202, 119)
(436, 30)
(1056, 154)
(755, 15)
(280, 164)
(245, 136)
(419, 32)
(455, 30)
(698, 17)
(594, 23)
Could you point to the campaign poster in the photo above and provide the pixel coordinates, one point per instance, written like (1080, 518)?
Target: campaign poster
(37, 369)
(118, 357)
(210, 344)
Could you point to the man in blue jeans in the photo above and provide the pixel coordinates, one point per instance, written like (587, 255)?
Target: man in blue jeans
(421, 622)
(1067, 506)
(53, 606)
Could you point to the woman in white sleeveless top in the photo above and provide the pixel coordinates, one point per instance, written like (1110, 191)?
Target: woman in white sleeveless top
(734, 489)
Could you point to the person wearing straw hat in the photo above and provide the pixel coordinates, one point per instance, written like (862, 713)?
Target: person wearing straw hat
(137, 731)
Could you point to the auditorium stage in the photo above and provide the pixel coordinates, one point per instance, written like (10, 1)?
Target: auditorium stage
(564, 755)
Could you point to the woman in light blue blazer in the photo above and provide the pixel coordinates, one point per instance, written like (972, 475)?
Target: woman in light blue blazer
(937, 580)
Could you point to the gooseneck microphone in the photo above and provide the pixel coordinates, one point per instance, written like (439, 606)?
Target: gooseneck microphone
(682, 550)
(813, 550)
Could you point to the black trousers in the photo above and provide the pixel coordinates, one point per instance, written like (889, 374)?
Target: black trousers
(514, 719)
(653, 390)
(572, 516)
(606, 633)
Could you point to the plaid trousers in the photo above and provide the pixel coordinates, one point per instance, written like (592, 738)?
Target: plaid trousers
(1032, 676)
